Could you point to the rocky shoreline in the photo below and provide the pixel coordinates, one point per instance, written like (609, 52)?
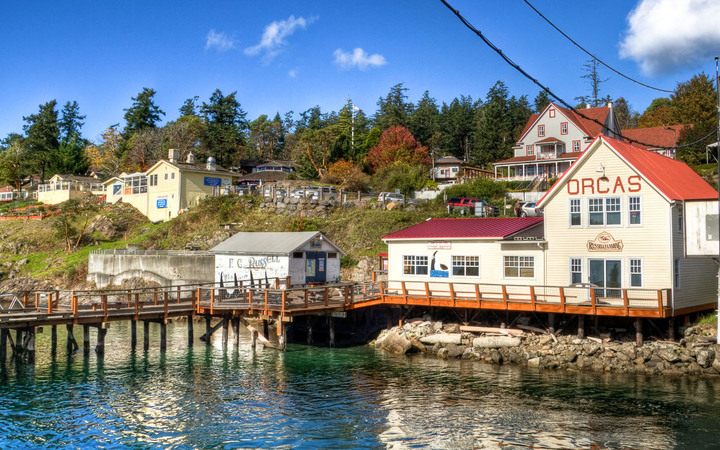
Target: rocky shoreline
(695, 354)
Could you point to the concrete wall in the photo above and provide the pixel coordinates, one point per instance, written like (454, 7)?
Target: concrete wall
(106, 268)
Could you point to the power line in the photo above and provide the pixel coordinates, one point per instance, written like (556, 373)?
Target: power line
(515, 66)
(627, 77)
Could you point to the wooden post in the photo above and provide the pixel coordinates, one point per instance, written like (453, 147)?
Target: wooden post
(104, 300)
(100, 345)
(225, 328)
(86, 340)
(236, 330)
(326, 297)
(163, 335)
(626, 302)
(208, 328)
(562, 298)
(50, 304)
(504, 296)
(452, 293)
(146, 335)
(331, 331)
(53, 340)
(253, 338)
(661, 308)
(179, 295)
(671, 329)
(309, 332)
(581, 327)
(190, 330)
(71, 342)
(133, 334)
(551, 322)
(30, 345)
(593, 302)
(532, 297)
(404, 292)
(3, 345)
(305, 291)
(477, 295)
(212, 301)
(638, 332)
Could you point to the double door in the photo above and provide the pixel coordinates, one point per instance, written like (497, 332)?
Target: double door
(606, 276)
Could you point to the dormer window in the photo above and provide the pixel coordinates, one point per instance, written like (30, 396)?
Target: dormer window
(541, 130)
(551, 113)
(563, 127)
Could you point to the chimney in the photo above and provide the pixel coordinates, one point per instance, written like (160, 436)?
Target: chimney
(173, 155)
(609, 105)
(190, 158)
(211, 163)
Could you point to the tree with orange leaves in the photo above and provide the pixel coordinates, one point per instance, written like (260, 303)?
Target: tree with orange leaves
(397, 145)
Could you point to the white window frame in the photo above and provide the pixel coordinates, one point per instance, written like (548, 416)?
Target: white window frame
(541, 130)
(574, 147)
(631, 210)
(530, 150)
(464, 264)
(631, 272)
(518, 262)
(563, 128)
(415, 261)
(604, 201)
(571, 265)
(551, 112)
(579, 212)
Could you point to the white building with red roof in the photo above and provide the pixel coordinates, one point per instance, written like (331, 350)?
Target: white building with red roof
(612, 239)
(553, 139)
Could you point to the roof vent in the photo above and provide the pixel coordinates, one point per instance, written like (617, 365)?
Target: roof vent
(211, 164)
(190, 158)
(173, 155)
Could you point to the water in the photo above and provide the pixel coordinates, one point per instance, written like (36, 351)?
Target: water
(207, 397)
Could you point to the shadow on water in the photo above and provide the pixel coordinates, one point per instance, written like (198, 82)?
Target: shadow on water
(207, 396)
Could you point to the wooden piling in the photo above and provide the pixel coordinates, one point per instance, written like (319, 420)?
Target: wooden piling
(86, 340)
(71, 343)
(266, 329)
(253, 338)
(53, 340)
(236, 330)
(331, 332)
(551, 322)
(638, 332)
(163, 335)
(208, 328)
(225, 328)
(309, 332)
(133, 334)
(18, 342)
(146, 335)
(3, 344)
(581, 327)
(190, 330)
(671, 329)
(29, 345)
(100, 345)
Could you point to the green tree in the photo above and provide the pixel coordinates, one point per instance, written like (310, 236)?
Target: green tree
(266, 137)
(42, 137)
(72, 224)
(189, 107)
(456, 125)
(424, 122)
(71, 123)
(660, 112)
(143, 113)
(403, 176)
(519, 110)
(70, 156)
(226, 127)
(694, 102)
(14, 166)
(394, 109)
(494, 127)
(625, 116)
(542, 99)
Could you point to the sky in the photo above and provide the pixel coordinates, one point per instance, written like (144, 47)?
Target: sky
(292, 55)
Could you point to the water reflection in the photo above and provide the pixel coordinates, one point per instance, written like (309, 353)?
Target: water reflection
(207, 396)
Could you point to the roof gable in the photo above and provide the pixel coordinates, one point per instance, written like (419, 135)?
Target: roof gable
(268, 243)
(468, 228)
(587, 126)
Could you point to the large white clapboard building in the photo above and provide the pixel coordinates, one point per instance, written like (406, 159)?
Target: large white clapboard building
(615, 220)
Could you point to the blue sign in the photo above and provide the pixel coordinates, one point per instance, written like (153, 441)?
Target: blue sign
(161, 203)
(439, 274)
(117, 188)
(212, 181)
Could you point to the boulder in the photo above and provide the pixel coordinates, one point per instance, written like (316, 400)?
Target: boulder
(396, 343)
(455, 351)
(705, 358)
(533, 362)
(495, 341)
(442, 338)
(668, 354)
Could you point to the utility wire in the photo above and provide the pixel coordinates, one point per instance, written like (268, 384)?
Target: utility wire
(627, 77)
(515, 66)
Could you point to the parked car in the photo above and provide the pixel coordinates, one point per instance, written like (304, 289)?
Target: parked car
(391, 197)
(528, 209)
(297, 193)
(464, 205)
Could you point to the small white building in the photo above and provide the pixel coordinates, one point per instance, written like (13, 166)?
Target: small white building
(305, 257)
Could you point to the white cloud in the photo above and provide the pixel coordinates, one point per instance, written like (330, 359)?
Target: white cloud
(293, 73)
(664, 35)
(358, 59)
(218, 41)
(275, 34)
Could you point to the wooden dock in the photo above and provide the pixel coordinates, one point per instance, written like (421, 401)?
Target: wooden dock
(260, 304)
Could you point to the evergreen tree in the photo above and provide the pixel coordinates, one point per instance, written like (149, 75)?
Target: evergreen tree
(542, 99)
(519, 111)
(143, 113)
(456, 123)
(226, 127)
(660, 112)
(71, 122)
(424, 122)
(494, 127)
(14, 161)
(70, 157)
(625, 116)
(42, 137)
(394, 109)
(189, 107)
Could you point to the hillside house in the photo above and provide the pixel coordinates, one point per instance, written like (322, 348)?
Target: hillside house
(61, 188)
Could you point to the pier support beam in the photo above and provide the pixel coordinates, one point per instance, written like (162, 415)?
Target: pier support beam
(17, 349)
(331, 332)
(638, 333)
(671, 329)
(551, 322)
(225, 329)
(253, 338)
(282, 335)
(133, 334)
(100, 345)
(3, 344)
(146, 335)
(86, 340)
(208, 329)
(71, 343)
(53, 340)
(309, 333)
(190, 330)
(29, 344)
(581, 327)
(236, 330)
(163, 336)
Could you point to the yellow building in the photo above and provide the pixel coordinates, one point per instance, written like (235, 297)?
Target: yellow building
(61, 188)
(170, 187)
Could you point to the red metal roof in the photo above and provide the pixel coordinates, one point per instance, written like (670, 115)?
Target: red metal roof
(548, 140)
(590, 128)
(674, 178)
(659, 137)
(469, 228)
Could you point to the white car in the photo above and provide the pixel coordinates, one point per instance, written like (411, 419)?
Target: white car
(528, 209)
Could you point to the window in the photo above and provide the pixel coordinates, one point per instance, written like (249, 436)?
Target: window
(332, 255)
(466, 266)
(576, 146)
(415, 265)
(552, 113)
(604, 211)
(519, 266)
(166, 175)
(172, 176)
(531, 171)
(153, 180)
(541, 130)
(676, 273)
(529, 150)
(298, 255)
(635, 273)
(563, 127)
(634, 209)
(680, 218)
(575, 217)
(136, 184)
(575, 270)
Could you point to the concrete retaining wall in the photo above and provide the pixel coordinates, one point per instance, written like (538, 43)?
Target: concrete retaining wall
(174, 268)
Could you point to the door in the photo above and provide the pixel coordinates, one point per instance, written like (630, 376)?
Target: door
(606, 274)
(315, 267)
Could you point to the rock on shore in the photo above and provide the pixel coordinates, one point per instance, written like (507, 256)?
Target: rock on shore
(695, 354)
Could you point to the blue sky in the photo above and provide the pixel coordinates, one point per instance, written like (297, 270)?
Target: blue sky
(102, 53)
